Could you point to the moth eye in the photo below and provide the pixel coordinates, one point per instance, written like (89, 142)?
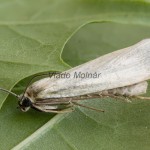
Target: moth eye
(26, 102)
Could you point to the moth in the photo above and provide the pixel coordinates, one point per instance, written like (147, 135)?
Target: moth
(120, 74)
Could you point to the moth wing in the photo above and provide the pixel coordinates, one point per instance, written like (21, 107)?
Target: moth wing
(121, 68)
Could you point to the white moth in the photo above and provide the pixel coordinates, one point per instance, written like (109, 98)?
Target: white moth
(119, 74)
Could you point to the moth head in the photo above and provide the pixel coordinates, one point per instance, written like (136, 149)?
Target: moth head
(24, 103)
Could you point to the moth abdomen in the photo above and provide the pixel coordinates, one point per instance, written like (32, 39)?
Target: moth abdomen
(131, 90)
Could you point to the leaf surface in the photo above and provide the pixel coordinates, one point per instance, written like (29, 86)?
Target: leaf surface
(32, 38)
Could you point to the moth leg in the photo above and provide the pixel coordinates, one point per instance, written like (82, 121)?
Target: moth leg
(124, 98)
(69, 109)
(59, 111)
(128, 99)
(92, 108)
(142, 97)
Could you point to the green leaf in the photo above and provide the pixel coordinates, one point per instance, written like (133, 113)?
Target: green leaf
(32, 37)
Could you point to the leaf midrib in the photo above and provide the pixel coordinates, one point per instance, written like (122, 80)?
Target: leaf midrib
(49, 125)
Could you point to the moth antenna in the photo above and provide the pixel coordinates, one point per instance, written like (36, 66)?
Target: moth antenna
(4, 90)
(92, 108)
(38, 75)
